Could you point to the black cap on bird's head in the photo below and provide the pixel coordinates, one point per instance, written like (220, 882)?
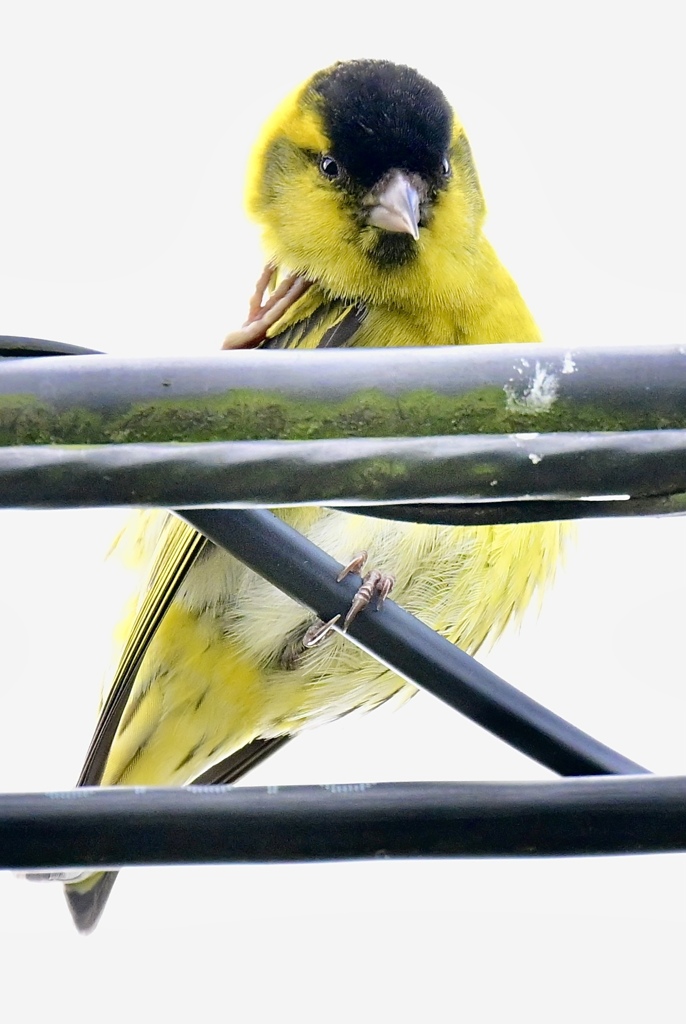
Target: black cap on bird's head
(390, 132)
(351, 170)
(380, 116)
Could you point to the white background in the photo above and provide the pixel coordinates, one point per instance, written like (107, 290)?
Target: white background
(124, 130)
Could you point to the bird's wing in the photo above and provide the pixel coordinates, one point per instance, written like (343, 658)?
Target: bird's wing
(342, 332)
(316, 321)
(231, 768)
(177, 548)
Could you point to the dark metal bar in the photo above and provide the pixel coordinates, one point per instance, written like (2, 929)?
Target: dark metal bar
(13, 347)
(216, 824)
(308, 574)
(492, 513)
(251, 474)
(263, 395)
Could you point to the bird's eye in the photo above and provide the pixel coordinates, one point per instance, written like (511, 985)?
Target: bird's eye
(329, 167)
(445, 167)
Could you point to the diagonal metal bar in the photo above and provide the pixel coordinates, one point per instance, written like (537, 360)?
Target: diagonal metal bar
(308, 574)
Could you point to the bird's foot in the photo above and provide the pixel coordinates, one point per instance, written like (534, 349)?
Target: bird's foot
(375, 584)
(264, 314)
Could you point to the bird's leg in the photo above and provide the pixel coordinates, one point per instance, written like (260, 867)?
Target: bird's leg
(264, 314)
(374, 584)
(261, 287)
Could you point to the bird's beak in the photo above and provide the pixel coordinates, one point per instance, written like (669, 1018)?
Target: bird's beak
(396, 206)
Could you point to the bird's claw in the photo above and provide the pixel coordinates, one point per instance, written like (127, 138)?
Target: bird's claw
(356, 565)
(264, 314)
(374, 584)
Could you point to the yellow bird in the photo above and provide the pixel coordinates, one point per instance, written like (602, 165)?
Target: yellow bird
(365, 190)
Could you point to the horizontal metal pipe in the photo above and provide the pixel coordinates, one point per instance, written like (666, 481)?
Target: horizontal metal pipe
(247, 474)
(217, 824)
(270, 395)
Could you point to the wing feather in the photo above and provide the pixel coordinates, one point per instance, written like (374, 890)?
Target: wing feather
(177, 549)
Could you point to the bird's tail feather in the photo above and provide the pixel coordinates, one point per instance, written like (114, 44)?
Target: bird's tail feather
(86, 900)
